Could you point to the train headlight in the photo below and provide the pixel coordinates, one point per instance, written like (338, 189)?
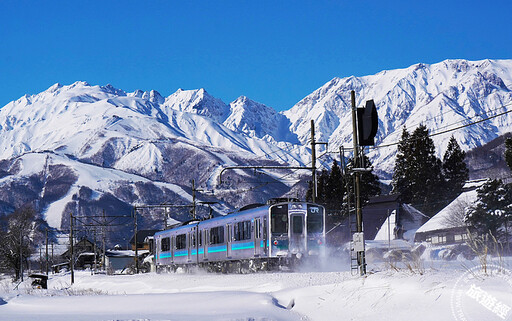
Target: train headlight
(319, 242)
(275, 242)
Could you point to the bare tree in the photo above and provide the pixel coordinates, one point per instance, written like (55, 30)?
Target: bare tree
(19, 230)
(457, 213)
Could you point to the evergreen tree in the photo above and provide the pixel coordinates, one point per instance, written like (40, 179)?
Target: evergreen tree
(321, 188)
(335, 189)
(455, 170)
(508, 152)
(418, 173)
(401, 176)
(492, 210)
(369, 183)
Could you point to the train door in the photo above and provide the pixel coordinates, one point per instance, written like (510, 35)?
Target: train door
(189, 246)
(205, 244)
(199, 243)
(297, 234)
(265, 236)
(172, 243)
(228, 240)
(258, 240)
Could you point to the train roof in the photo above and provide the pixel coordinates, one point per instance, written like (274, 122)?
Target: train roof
(246, 210)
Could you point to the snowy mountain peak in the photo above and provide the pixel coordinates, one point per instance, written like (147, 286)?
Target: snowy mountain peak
(112, 90)
(258, 120)
(197, 101)
(441, 96)
(152, 96)
(54, 88)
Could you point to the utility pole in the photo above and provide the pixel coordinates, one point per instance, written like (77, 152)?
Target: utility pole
(135, 240)
(103, 236)
(95, 253)
(313, 160)
(359, 215)
(71, 260)
(47, 252)
(21, 254)
(194, 199)
(166, 217)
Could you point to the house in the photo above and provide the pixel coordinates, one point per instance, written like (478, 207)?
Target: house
(143, 239)
(82, 246)
(448, 226)
(85, 252)
(385, 217)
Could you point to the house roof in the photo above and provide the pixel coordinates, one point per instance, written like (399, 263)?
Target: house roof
(446, 218)
(124, 253)
(376, 212)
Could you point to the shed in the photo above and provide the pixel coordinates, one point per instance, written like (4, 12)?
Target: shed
(118, 261)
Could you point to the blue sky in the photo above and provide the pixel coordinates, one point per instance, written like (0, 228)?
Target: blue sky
(274, 52)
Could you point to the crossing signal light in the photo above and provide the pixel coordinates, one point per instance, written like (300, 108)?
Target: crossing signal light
(367, 124)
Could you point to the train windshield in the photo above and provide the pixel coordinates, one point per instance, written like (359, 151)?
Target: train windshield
(315, 219)
(279, 217)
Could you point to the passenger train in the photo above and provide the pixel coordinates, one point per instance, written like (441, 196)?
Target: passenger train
(257, 237)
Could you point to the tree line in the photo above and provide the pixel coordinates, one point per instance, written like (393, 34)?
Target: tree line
(424, 181)
(421, 178)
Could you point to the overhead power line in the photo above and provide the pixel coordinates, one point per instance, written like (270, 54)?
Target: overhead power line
(455, 128)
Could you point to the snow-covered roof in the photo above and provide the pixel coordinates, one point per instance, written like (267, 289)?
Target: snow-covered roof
(124, 253)
(446, 217)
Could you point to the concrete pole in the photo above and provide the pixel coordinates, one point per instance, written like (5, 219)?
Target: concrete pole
(359, 215)
(313, 160)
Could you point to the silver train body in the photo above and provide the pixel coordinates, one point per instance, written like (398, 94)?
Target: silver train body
(257, 238)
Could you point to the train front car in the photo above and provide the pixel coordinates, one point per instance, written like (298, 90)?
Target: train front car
(297, 231)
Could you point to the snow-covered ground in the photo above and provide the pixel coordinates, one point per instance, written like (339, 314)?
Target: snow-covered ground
(426, 292)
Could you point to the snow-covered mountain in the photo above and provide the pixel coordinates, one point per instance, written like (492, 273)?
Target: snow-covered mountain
(442, 96)
(155, 140)
(56, 142)
(258, 120)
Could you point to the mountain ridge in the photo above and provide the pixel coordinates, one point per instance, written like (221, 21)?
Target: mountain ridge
(193, 135)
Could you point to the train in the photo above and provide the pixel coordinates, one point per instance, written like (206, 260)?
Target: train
(280, 233)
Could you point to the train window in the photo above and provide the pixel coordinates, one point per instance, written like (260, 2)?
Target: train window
(315, 219)
(181, 241)
(242, 230)
(192, 239)
(200, 238)
(258, 228)
(217, 235)
(315, 223)
(297, 224)
(279, 219)
(165, 245)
